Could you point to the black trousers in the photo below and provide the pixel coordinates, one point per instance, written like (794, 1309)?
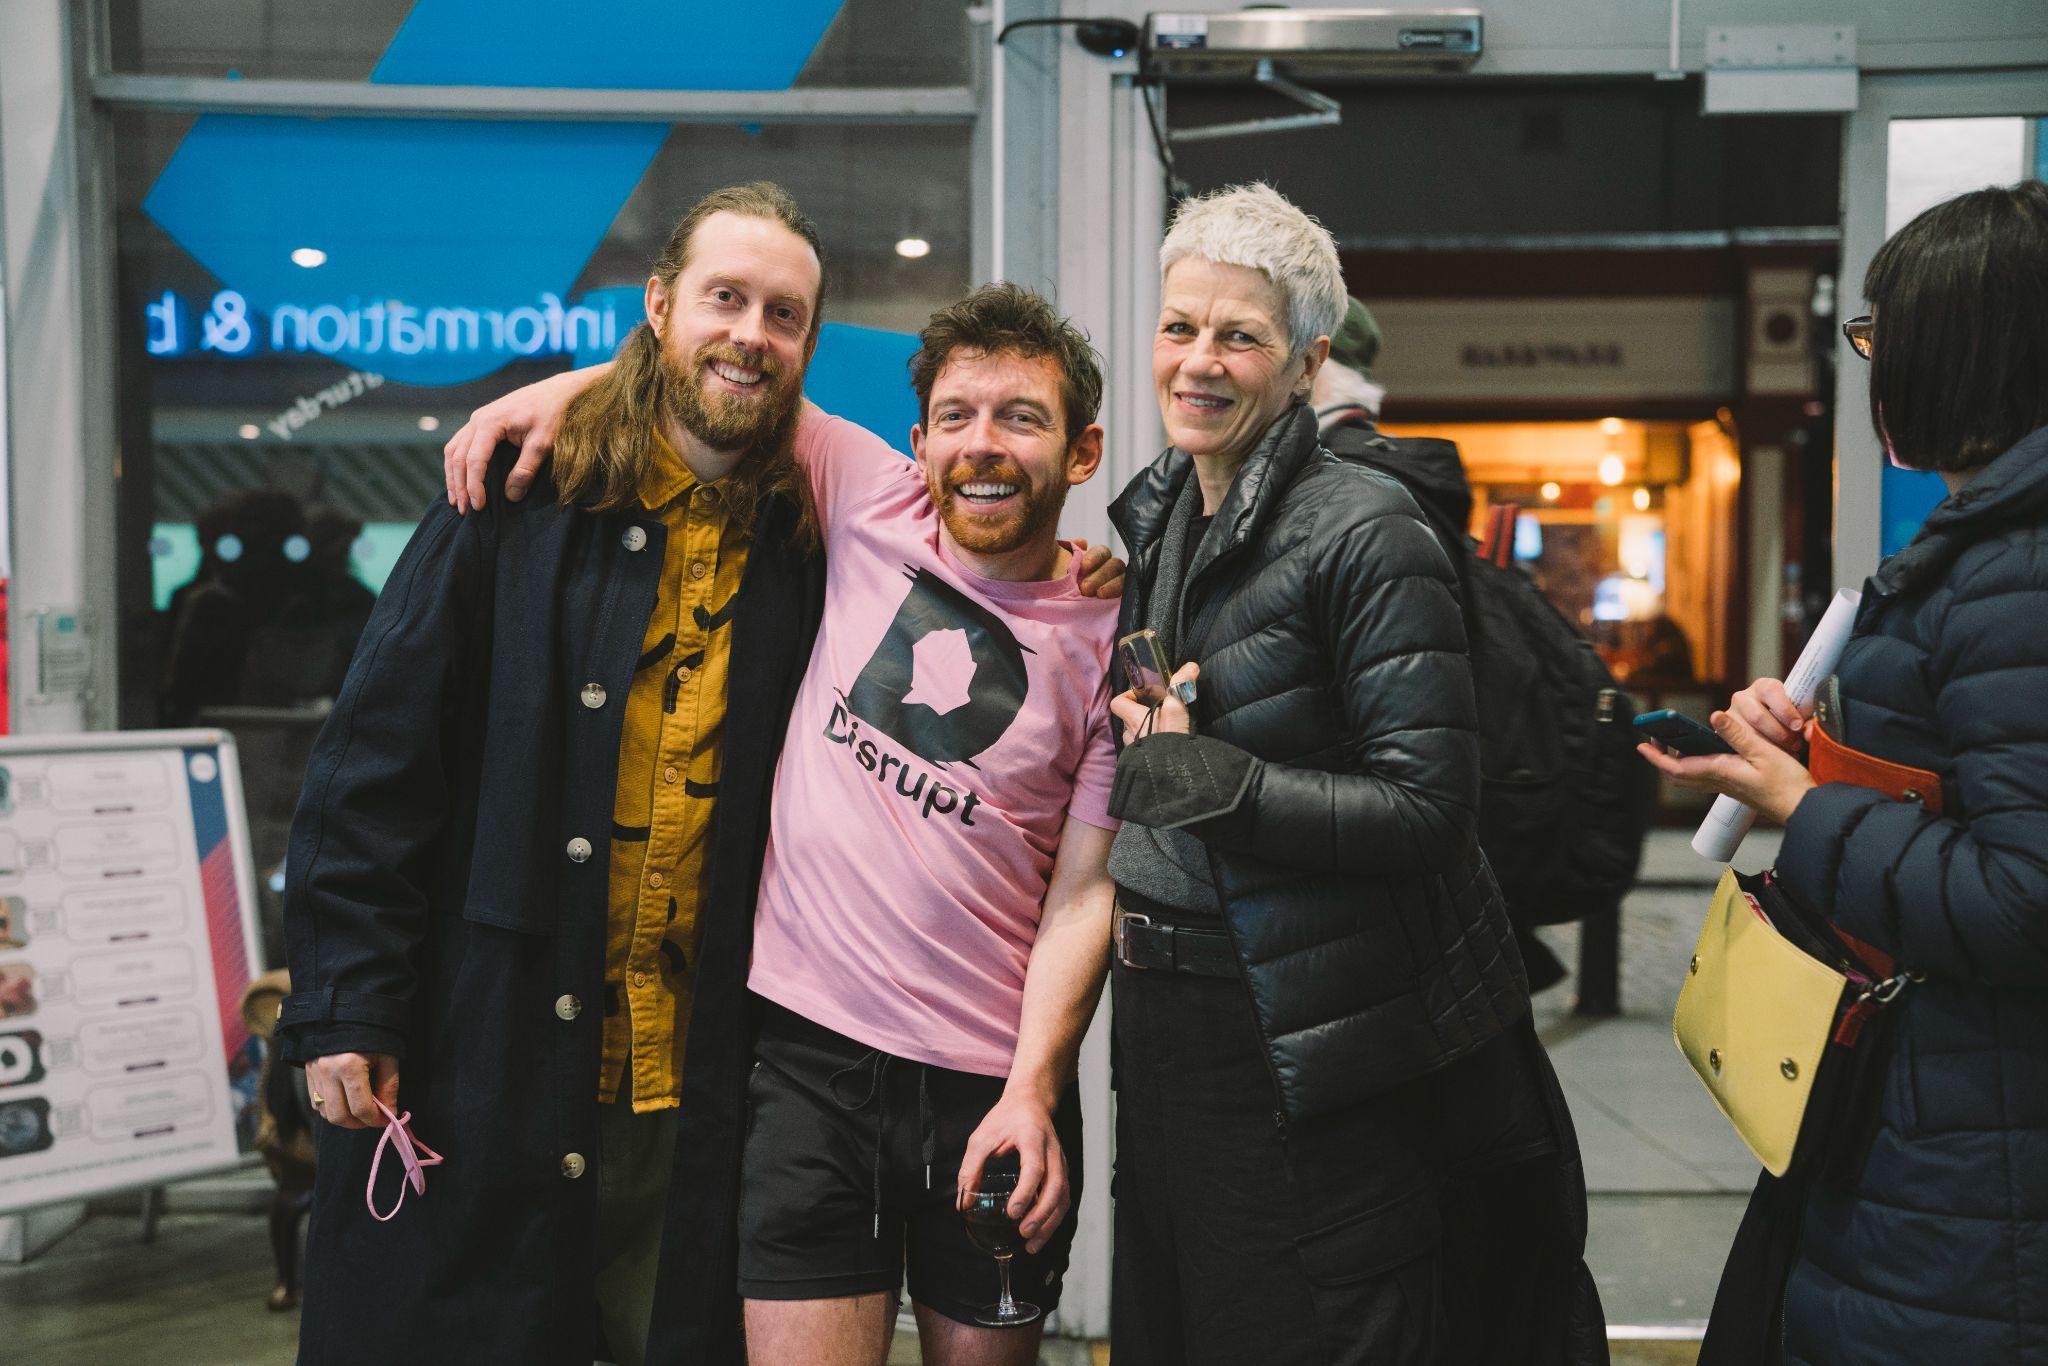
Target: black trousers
(1238, 1240)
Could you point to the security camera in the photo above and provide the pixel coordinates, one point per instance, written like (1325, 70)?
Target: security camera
(1107, 37)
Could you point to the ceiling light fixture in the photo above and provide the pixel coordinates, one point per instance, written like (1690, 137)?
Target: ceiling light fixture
(430, 423)
(1552, 492)
(913, 248)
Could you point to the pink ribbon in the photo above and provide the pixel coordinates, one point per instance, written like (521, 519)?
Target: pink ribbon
(408, 1148)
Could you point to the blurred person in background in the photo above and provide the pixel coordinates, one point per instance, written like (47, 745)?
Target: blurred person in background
(339, 601)
(210, 525)
(1564, 806)
(248, 579)
(1938, 1250)
(1344, 392)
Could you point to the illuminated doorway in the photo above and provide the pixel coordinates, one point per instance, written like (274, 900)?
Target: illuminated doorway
(1630, 527)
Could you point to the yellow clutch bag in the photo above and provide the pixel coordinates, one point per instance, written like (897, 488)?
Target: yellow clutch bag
(1755, 1018)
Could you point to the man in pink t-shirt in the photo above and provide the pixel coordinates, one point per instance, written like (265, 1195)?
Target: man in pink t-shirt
(933, 924)
(932, 931)
(949, 726)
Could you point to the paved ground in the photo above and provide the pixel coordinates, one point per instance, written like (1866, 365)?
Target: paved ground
(1668, 1182)
(1668, 1176)
(195, 1299)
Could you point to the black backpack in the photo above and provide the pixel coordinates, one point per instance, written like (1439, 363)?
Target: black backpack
(1565, 800)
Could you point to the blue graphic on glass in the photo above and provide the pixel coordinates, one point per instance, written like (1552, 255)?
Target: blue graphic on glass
(863, 375)
(420, 233)
(618, 45)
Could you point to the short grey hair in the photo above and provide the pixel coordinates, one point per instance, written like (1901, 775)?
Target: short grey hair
(1255, 226)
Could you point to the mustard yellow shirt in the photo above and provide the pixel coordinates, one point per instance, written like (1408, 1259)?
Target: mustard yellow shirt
(669, 759)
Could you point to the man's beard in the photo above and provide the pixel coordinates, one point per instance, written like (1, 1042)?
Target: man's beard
(726, 421)
(1001, 532)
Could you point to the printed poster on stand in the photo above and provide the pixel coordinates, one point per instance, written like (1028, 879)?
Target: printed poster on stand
(127, 936)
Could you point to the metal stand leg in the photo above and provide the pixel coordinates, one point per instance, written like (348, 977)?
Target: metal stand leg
(1599, 964)
(152, 1207)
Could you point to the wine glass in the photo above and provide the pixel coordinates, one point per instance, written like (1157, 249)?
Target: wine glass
(991, 1229)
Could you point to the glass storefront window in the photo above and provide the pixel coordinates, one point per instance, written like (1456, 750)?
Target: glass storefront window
(652, 44)
(1627, 526)
(308, 308)
(295, 353)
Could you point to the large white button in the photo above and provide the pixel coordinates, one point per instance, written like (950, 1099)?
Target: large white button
(572, 1165)
(579, 849)
(593, 695)
(568, 1007)
(634, 539)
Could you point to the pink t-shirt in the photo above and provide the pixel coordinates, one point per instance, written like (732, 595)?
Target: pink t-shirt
(947, 727)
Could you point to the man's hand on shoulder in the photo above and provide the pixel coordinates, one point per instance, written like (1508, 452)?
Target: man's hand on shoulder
(1102, 574)
(530, 416)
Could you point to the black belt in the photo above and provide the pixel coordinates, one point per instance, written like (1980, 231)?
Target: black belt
(1143, 942)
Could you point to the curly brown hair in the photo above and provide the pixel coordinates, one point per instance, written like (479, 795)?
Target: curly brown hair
(1006, 318)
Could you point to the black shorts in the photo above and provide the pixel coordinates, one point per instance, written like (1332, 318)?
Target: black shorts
(834, 1197)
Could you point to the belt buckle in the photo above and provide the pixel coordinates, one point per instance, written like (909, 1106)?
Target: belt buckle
(1122, 939)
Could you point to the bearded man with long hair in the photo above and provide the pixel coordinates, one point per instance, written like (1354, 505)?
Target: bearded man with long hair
(509, 907)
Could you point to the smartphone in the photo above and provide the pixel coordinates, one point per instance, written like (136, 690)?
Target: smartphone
(1144, 665)
(1681, 734)
(1146, 671)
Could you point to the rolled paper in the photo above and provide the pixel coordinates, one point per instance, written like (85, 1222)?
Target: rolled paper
(1728, 820)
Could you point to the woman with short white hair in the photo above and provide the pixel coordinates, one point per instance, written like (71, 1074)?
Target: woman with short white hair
(1330, 1098)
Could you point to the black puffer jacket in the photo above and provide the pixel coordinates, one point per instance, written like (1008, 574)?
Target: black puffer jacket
(1941, 1253)
(1335, 774)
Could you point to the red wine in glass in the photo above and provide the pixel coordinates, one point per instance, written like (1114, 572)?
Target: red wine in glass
(990, 1228)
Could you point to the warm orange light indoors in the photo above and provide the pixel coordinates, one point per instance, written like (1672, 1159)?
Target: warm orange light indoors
(1564, 452)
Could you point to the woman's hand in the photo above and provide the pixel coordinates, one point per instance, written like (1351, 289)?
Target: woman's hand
(1766, 708)
(1140, 719)
(1758, 774)
(531, 416)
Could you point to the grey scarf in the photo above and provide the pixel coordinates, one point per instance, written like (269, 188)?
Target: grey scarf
(1163, 612)
(1169, 866)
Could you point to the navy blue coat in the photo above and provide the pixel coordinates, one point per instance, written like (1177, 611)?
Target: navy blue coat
(436, 908)
(1941, 1252)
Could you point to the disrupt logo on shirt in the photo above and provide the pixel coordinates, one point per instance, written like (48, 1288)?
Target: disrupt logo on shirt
(945, 682)
(923, 691)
